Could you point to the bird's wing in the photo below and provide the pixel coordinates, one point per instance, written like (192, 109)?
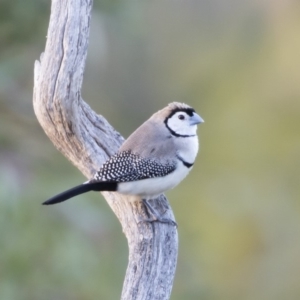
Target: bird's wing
(151, 140)
(126, 166)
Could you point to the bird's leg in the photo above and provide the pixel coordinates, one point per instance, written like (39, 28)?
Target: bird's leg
(154, 216)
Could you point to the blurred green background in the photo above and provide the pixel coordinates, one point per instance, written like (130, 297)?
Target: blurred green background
(238, 64)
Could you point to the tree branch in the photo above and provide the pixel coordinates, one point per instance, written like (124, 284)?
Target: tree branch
(87, 140)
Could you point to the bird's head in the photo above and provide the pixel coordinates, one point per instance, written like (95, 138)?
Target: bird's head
(180, 119)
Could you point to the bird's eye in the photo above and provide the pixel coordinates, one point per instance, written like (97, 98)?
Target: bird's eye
(181, 117)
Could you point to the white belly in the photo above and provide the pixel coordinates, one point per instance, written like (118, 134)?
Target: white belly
(151, 187)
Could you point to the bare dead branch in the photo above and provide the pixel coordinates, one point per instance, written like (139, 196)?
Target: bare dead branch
(87, 140)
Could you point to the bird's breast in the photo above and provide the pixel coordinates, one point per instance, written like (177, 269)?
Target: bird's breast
(188, 149)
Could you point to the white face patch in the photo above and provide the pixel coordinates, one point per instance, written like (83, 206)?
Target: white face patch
(180, 124)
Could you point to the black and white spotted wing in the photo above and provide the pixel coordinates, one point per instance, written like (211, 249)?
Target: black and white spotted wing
(126, 166)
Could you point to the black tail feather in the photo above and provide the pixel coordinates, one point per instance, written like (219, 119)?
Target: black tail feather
(81, 189)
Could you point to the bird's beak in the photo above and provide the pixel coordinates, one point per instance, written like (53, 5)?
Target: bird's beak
(196, 119)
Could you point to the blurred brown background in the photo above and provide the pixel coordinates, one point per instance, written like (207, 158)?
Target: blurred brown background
(238, 64)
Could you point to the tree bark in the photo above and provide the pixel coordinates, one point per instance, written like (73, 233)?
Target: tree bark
(87, 140)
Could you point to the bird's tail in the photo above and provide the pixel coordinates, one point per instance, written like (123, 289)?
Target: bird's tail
(81, 189)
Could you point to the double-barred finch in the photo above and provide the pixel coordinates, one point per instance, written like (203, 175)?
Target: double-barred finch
(155, 158)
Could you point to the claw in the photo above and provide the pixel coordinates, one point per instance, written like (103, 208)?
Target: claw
(155, 216)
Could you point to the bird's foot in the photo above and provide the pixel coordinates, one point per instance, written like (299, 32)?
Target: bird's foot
(159, 220)
(155, 217)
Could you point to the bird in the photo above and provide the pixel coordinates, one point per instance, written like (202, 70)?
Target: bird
(155, 158)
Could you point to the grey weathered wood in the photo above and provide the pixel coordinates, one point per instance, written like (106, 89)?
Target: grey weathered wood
(87, 140)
